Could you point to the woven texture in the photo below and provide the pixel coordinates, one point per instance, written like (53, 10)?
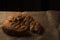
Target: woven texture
(48, 19)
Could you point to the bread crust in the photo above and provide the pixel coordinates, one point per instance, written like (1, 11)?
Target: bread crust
(20, 24)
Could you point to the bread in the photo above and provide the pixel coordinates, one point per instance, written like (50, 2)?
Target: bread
(20, 24)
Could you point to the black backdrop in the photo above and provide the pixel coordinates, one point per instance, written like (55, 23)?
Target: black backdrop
(29, 5)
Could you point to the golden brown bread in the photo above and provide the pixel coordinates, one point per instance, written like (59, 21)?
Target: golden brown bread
(20, 24)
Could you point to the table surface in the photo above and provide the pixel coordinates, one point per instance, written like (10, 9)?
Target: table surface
(49, 34)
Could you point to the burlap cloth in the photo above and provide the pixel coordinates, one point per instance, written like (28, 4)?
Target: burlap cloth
(48, 19)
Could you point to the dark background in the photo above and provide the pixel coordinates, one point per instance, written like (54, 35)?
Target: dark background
(29, 5)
